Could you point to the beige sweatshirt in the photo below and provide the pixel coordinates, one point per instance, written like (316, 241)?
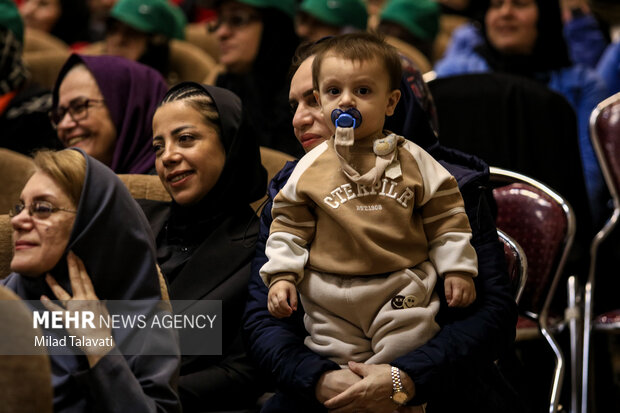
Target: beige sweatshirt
(324, 221)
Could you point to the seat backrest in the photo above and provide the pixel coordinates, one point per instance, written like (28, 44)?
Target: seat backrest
(198, 35)
(25, 380)
(273, 160)
(410, 52)
(15, 170)
(40, 41)
(605, 135)
(145, 187)
(45, 65)
(516, 262)
(516, 124)
(187, 61)
(6, 245)
(543, 224)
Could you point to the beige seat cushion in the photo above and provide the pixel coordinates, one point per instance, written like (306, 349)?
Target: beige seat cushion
(44, 65)
(413, 54)
(273, 161)
(25, 380)
(187, 61)
(145, 187)
(198, 35)
(6, 245)
(15, 170)
(40, 41)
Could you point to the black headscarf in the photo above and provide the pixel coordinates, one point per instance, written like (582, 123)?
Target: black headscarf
(112, 237)
(242, 181)
(264, 90)
(550, 51)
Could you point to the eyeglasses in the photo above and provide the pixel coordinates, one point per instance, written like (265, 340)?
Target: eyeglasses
(78, 110)
(234, 21)
(38, 209)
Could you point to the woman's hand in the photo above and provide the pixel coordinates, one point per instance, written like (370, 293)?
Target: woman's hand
(372, 393)
(84, 299)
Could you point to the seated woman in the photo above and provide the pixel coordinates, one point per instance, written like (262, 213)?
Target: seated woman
(74, 206)
(64, 19)
(257, 40)
(141, 30)
(525, 38)
(454, 371)
(104, 105)
(208, 160)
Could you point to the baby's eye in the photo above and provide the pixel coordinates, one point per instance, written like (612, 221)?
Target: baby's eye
(333, 91)
(363, 90)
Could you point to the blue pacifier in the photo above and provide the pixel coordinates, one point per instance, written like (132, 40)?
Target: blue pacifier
(351, 118)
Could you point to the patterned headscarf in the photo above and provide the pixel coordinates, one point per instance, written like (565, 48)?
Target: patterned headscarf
(13, 73)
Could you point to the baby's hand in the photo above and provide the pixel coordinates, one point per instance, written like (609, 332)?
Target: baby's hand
(280, 295)
(460, 289)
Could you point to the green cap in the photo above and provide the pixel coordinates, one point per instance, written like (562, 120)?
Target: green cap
(10, 18)
(151, 16)
(420, 17)
(288, 7)
(339, 13)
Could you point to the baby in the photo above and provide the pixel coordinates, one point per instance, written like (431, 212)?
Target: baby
(367, 220)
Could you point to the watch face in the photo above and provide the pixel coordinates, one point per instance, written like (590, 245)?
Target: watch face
(400, 397)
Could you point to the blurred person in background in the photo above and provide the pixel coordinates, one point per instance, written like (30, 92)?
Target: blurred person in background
(64, 19)
(257, 41)
(316, 19)
(141, 30)
(524, 38)
(415, 22)
(24, 106)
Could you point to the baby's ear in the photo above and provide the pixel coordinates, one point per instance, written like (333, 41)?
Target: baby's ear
(393, 99)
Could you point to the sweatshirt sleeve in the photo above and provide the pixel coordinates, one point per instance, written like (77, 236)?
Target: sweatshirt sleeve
(292, 228)
(445, 221)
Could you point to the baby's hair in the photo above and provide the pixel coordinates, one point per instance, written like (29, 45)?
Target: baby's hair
(196, 97)
(359, 47)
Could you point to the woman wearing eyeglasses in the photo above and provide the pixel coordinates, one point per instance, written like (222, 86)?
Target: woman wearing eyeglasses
(74, 206)
(257, 41)
(104, 105)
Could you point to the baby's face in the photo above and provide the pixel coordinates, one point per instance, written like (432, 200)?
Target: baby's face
(363, 85)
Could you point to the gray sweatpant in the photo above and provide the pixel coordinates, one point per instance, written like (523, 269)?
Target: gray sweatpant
(369, 319)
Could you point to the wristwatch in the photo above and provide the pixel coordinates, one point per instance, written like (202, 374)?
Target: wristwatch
(399, 395)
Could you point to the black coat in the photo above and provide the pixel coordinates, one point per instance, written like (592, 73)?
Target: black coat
(219, 269)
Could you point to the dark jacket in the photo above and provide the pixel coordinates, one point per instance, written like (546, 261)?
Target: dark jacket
(219, 269)
(205, 251)
(474, 336)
